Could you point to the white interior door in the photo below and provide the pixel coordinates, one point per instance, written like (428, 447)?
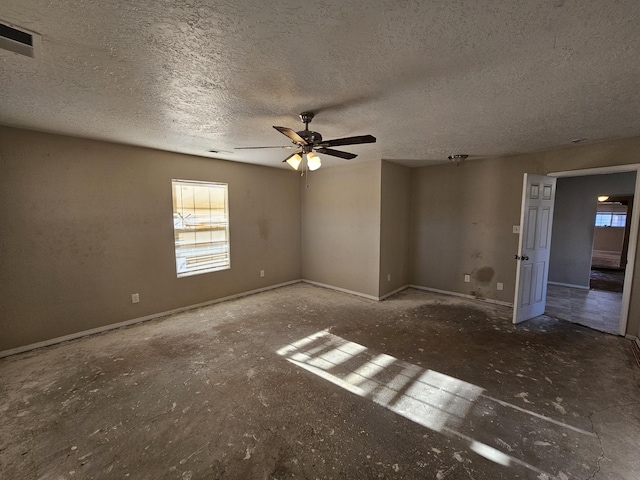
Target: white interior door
(532, 272)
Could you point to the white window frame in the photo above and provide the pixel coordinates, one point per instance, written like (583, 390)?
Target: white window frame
(195, 227)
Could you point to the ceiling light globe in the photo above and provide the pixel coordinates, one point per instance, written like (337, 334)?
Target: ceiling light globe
(294, 161)
(313, 161)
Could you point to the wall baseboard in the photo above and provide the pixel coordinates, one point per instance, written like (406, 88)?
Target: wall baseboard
(570, 285)
(134, 321)
(387, 295)
(635, 347)
(417, 287)
(344, 290)
(352, 292)
(463, 295)
(113, 326)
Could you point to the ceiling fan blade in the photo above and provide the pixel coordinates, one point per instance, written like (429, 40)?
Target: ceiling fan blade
(253, 148)
(349, 141)
(293, 136)
(336, 153)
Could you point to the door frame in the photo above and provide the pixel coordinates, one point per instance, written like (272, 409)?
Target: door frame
(633, 234)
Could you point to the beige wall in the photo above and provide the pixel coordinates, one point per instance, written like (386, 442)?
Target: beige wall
(84, 224)
(341, 227)
(608, 239)
(462, 217)
(394, 227)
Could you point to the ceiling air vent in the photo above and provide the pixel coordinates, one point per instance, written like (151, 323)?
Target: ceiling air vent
(17, 40)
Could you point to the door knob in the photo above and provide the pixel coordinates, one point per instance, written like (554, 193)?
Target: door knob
(524, 257)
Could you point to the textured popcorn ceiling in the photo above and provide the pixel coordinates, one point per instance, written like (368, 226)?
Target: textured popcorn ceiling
(426, 78)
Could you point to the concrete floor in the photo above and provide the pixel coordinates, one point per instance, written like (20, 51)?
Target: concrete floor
(303, 382)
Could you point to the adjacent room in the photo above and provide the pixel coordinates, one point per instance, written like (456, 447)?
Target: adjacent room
(249, 240)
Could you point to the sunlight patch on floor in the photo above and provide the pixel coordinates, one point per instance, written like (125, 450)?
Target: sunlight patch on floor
(429, 398)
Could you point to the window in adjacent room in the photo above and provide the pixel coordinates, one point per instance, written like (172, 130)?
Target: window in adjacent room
(610, 219)
(611, 216)
(201, 227)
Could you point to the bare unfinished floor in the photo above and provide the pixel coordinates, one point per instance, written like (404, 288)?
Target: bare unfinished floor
(307, 383)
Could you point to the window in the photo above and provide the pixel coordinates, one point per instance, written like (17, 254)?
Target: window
(611, 219)
(201, 227)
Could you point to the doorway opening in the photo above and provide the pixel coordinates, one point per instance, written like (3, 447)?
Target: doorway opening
(593, 247)
(610, 242)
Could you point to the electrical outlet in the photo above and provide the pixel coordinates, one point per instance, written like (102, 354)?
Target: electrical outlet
(467, 278)
(262, 273)
(500, 286)
(388, 277)
(135, 297)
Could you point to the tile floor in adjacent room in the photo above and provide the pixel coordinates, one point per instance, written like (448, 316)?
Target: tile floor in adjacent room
(595, 309)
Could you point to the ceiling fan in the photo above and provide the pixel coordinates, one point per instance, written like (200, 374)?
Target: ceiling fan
(310, 142)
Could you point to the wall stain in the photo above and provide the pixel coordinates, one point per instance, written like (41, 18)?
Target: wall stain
(263, 228)
(484, 275)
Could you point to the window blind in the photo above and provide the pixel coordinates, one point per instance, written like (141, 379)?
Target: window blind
(201, 227)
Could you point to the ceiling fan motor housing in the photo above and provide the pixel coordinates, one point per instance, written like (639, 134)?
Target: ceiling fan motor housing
(312, 138)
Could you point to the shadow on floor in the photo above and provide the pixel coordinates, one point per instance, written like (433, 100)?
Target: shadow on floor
(607, 279)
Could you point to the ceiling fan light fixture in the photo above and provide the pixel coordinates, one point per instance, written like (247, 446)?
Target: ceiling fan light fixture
(306, 141)
(294, 161)
(313, 161)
